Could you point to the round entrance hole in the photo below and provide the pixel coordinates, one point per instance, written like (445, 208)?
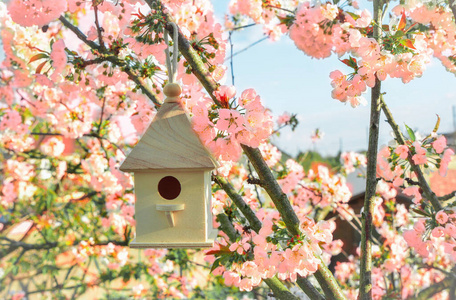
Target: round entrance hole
(169, 187)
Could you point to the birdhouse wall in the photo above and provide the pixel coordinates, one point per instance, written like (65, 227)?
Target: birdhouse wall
(210, 231)
(190, 224)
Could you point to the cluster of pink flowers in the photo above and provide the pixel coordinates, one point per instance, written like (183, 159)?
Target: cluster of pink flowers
(323, 29)
(392, 256)
(442, 229)
(300, 256)
(314, 30)
(323, 188)
(270, 154)
(36, 12)
(348, 90)
(431, 152)
(250, 124)
(260, 12)
(441, 40)
(352, 160)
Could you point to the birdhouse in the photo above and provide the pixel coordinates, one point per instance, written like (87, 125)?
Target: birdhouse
(172, 171)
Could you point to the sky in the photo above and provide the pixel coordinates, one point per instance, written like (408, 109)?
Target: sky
(290, 81)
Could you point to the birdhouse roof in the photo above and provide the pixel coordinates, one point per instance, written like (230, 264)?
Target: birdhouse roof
(169, 143)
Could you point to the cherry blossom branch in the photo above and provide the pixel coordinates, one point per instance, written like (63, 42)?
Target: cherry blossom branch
(323, 275)
(78, 33)
(57, 287)
(255, 181)
(97, 25)
(365, 289)
(248, 47)
(447, 196)
(278, 288)
(256, 225)
(281, 8)
(326, 279)
(434, 289)
(248, 213)
(136, 79)
(26, 246)
(231, 57)
(94, 135)
(429, 194)
(115, 60)
(243, 26)
(227, 227)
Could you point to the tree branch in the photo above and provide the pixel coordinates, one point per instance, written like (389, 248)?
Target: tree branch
(113, 59)
(78, 33)
(248, 213)
(365, 289)
(434, 289)
(428, 193)
(97, 25)
(256, 225)
(227, 227)
(197, 66)
(26, 246)
(448, 196)
(278, 288)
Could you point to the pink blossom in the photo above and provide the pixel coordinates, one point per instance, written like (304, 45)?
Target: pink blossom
(450, 229)
(446, 159)
(230, 120)
(368, 48)
(284, 118)
(11, 119)
(441, 217)
(53, 147)
(413, 191)
(439, 144)
(338, 78)
(224, 94)
(438, 232)
(329, 11)
(36, 12)
(232, 278)
(420, 157)
(241, 247)
(402, 151)
(247, 96)
(365, 19)
(59, 58)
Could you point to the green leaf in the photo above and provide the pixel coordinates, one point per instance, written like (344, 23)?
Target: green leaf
(410, 133)
(38, 57)
(40, 67)
(216, 264)
(353, 15)
(437, 124)
(420, 212)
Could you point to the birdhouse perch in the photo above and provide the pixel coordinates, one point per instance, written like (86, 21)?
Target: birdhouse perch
(172, 172)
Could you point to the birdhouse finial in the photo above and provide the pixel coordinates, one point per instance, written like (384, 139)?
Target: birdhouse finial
(172, 92)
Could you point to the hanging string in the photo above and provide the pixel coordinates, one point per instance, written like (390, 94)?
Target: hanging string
(172, 68)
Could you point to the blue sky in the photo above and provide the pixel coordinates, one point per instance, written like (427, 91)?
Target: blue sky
(288, 80)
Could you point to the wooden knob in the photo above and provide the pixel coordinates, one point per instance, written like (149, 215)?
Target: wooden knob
(172, 90)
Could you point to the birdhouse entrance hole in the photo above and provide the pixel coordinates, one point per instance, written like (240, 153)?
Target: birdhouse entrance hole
(169, 187)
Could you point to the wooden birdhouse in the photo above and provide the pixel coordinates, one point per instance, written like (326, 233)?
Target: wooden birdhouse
(172, 172)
